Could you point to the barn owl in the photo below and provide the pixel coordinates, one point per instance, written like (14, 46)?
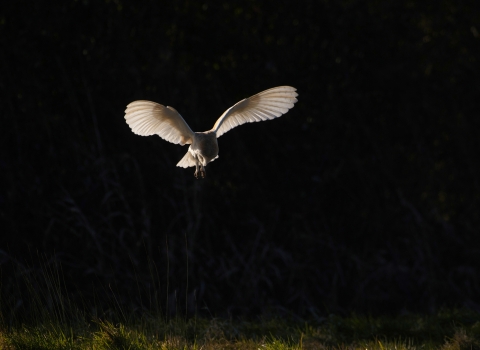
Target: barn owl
(148, 118)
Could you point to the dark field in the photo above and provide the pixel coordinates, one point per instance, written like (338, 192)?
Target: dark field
(446, 330)
(365, 197)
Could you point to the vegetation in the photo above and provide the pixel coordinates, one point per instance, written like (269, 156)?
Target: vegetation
(48, 318)
(364, 198)
(445, 330)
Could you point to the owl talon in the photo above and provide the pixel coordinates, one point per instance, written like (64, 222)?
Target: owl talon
(200, 173)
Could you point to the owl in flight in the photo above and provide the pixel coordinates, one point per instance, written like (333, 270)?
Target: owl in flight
(148, 118)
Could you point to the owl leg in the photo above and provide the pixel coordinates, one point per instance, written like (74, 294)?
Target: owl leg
(199, 161)
(196, 169)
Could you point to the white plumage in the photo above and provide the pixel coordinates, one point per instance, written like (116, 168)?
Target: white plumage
(148, 118)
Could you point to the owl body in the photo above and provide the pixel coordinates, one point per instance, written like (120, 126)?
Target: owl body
(150, 118)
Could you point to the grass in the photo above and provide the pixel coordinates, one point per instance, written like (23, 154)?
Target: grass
(40, 314)
(446, 330)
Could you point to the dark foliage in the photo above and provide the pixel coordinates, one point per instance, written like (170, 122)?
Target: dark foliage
(365, 196)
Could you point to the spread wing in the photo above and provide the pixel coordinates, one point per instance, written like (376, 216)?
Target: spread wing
(149, 118)
(268, 104)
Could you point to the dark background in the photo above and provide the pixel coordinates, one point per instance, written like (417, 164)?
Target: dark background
(364, 197)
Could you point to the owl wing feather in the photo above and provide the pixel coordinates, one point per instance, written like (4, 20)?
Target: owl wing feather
(149, 118)
(268, 104)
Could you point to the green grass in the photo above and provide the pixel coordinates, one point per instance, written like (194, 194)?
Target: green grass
(39, 314)
(446, 330)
